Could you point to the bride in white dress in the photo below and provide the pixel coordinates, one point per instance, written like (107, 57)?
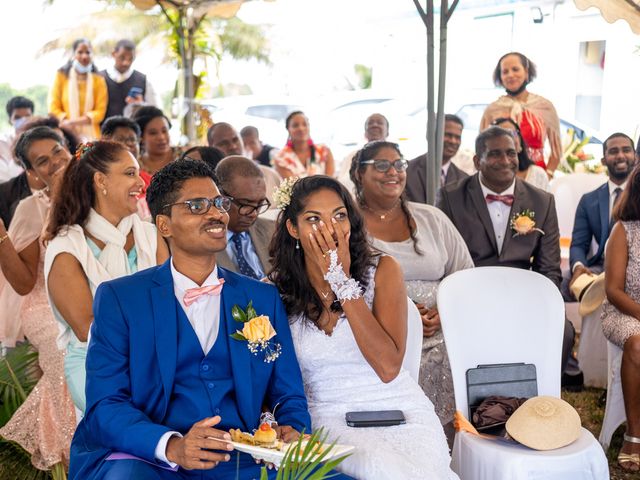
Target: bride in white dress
(348, 313)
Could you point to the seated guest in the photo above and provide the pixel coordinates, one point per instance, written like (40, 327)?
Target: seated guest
(449, 173)
(503, 220)
(347, 308)
(209, 155)
(123, 130)
(223, 136)
(594, 219)
(425, 244)
(44, 423)
(156, 149)
(527, 169)
(301, 157)
(260, 152)
(19, 111)
(376, 127)
(621, 311)
(248, 236)
(174, 409)
(94, 235)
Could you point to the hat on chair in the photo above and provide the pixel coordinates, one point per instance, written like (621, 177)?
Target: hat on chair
(589, 291)
(544, 423)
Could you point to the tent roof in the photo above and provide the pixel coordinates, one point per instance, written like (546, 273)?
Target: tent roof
(613, 10)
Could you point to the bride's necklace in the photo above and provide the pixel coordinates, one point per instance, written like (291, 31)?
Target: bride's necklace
(384, 213)
(335, 305)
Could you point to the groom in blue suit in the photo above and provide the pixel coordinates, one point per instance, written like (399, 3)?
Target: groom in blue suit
(165, 381)
(593, 220)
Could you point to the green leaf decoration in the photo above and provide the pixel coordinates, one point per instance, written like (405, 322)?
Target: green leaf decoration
(238, 314)
(251, 312)
(19, 373)
(238, 336)
(303, 464)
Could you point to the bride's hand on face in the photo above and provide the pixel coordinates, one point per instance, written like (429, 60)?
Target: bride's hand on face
(322, 240)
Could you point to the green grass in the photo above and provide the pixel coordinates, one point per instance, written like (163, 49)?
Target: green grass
(591, 409)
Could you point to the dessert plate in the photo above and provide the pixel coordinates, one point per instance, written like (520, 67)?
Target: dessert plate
(271, 455)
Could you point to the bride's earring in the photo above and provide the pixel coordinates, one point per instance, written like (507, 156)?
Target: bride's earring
(297, 244)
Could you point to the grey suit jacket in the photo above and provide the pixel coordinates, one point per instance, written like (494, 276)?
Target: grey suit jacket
(416, 178)
(261, 233)
(465, 205)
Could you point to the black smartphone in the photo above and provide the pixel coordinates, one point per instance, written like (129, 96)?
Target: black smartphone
(379, 418)
(134, 92)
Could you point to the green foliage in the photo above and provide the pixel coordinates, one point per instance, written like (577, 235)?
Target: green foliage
(301, 462)
(15, 464)
(19, 372)
(36, 93)
(364, 74)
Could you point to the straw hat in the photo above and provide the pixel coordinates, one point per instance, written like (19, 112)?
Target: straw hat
(589, 291)
(544, 423)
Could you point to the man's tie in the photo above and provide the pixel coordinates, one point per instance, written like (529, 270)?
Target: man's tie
(616, 196)
(193, 294)
(443, 178)
(243, 265)
(506, 199)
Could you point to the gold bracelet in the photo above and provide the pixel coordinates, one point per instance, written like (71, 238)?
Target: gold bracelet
(4, 237)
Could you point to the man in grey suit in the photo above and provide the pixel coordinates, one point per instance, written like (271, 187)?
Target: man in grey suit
(483, 207)
(248, 236)
(450, 174)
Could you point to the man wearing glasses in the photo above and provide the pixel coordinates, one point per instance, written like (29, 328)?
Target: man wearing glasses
(248, 236)
(165, 381)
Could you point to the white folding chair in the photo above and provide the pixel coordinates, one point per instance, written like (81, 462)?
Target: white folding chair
(567, 192)
(614, 414)
(413, 350)
(493, 315)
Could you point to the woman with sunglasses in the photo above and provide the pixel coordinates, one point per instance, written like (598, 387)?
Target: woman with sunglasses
(527, 169)
(94, 235)
(425, 243)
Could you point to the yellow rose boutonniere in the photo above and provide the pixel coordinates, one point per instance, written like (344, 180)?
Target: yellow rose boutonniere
(524, 223)
(257, 332)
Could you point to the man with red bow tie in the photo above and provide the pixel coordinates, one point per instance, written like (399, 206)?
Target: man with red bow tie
(165, 379)
(504, 220)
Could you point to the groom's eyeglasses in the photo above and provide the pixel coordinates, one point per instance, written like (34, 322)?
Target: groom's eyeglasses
(200, 206)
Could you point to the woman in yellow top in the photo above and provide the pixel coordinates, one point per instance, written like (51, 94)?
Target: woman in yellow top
(78, 96)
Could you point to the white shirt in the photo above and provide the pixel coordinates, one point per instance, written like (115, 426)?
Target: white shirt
(8, 166)
(612, 194)
(204, 317)
(499, 212)
(443, 173)
(116, 76)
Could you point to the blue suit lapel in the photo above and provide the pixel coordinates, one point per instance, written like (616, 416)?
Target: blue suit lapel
(165, 326)
(233, 294)
(603, 202)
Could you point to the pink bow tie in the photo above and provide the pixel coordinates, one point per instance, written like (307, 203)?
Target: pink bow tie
(193, 294)
(506, 199)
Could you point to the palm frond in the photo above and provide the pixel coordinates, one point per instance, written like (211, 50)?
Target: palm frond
(15, 463)
(19, 372)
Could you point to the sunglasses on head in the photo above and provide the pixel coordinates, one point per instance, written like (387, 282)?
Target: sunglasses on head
(200, 206)
(383, 166)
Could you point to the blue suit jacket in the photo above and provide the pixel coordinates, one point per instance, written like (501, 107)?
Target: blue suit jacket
(592, 221)
(131, 365)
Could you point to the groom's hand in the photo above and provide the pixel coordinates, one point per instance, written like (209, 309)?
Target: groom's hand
(287, 434)
(192, 450)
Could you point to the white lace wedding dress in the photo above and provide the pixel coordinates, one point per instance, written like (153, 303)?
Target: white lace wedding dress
(338, 379)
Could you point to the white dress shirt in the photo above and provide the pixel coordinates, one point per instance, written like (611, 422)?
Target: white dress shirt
(612, 194)
(444, 169)
(204, 317)
(499, 212)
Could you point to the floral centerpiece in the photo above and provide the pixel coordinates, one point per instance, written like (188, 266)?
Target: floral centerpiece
(574, 158)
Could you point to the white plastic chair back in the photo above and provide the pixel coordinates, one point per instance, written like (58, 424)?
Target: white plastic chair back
(567, 191)
(614, 414)
(413, 350)
(493, 315)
